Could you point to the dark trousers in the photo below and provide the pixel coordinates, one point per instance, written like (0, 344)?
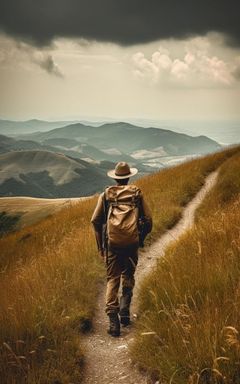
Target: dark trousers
(121, 265)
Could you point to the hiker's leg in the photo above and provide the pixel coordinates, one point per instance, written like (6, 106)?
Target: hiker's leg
(113, 282)
(128, 283)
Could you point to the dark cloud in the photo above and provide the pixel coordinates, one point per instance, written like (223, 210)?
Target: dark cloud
(48, 65)
(121, 21)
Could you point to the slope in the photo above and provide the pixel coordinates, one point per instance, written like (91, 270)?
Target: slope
(48, 174)
(50, 274)
(68, 147)
(189, 304)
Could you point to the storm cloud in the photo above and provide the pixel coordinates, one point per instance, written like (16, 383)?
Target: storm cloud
(125, 22)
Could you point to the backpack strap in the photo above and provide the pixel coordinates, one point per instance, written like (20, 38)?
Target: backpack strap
(140, 207)
(104, 228)
(105, 206)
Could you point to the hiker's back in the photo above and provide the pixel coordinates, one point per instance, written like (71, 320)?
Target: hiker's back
(121, 221)
(122, 203)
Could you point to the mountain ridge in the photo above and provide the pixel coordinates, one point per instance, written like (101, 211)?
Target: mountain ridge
(129, 138)
(48, 174)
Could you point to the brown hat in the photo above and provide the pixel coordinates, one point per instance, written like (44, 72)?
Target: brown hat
(122, 171)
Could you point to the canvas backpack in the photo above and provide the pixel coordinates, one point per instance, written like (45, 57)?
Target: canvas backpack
(122, 204)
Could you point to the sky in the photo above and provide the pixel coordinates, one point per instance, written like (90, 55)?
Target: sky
(165, 60)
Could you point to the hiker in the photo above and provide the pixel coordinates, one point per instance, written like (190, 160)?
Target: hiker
(121, 221)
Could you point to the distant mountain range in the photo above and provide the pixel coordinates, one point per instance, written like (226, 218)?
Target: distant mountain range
(127, 138)
(8, 127)
(72, 160)
(66, 146)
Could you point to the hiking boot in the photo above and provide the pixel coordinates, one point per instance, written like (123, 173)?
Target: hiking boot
(125, 321)
(114, 325)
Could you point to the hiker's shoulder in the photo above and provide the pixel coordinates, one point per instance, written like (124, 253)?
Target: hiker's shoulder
(106, 189)
(130, 187)
(117, 190)
(136, 188)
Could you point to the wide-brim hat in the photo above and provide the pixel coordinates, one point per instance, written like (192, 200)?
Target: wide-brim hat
(122, 171)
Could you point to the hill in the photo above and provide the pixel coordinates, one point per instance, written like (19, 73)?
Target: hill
(128, 138)
(18, 212)
(145, 148)
(188, 328)
(8, 127)
(48, 174)
(50, 273)
(69, 147)
(8, 144)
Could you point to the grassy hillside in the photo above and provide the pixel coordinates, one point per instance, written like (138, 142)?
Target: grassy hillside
(190, 302)
(69, 147)
(50, 273)
(18, 212)
(48, 280)
(47, 174)
(168, 191)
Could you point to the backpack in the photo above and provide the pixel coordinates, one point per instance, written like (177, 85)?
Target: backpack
(122, 206)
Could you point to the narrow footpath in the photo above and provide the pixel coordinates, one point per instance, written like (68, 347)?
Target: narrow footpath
(107, 358)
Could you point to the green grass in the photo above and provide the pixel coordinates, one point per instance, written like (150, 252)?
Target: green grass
(190, 302)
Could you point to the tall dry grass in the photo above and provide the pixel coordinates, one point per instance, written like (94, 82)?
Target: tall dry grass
(168, 191)
(50, 273)
(189, 330)
(48, 297)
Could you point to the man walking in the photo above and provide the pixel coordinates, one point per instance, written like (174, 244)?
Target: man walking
(121, 221)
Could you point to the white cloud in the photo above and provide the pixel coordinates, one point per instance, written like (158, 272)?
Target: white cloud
(144, 67)
(161, 60)
(99, 81)
(194, 66)
(179, 69)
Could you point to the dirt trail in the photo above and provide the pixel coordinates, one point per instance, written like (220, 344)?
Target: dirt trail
(107, 358)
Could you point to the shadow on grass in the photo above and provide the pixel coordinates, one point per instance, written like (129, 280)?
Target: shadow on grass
(8, 222)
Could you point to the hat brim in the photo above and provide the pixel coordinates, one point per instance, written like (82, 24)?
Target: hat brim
(112, 174)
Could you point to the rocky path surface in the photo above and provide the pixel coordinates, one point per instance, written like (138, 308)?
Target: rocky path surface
(107, 358)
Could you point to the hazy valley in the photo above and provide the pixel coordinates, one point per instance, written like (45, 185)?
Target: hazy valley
(72, 160)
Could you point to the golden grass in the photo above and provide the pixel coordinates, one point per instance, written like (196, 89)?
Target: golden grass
(191, 302)
(168, 191)
(50, 273)
(48, 297)
(30, 210)
(44, 236)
